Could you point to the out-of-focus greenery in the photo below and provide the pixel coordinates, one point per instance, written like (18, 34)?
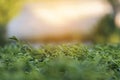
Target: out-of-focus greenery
(8, 9)
(19, 61)
(107, 31)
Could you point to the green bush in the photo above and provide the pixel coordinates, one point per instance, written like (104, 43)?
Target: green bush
(19, 61)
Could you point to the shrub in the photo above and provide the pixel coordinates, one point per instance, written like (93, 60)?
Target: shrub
(19, 61)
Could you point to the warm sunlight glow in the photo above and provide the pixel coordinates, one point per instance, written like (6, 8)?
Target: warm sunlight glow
(58, 20)
(61, 13)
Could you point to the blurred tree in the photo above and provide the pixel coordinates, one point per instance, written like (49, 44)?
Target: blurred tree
(8, 9)
(107, 26)
(116, 9)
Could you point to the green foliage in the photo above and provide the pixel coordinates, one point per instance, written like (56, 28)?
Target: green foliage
(107, 31)
(8, 9)
(19, 61)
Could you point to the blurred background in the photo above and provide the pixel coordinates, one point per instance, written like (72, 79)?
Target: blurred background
(106, 29)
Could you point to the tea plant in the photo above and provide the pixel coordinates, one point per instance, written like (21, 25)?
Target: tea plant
(19, 61)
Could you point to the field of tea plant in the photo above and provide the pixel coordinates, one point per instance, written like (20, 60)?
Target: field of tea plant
(19, 61)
